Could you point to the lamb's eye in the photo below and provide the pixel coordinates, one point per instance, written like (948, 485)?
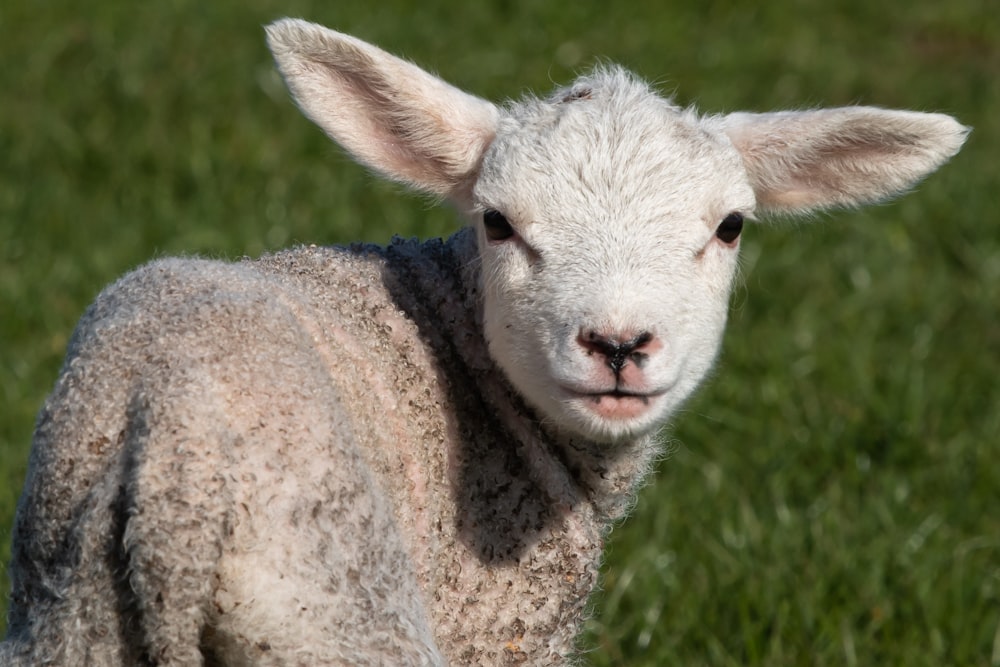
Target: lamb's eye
(729, 229)
(496, 225)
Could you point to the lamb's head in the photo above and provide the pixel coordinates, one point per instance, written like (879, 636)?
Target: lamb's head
(608, 219)
(609, 231)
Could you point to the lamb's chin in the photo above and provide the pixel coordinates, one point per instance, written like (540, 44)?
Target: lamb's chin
(611, 418)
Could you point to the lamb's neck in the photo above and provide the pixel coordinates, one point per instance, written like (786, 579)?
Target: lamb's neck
(610, 475)
(573, 469)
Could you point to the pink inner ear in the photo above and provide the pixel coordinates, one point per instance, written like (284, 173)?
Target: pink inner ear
(792, 200)
(389, 114)
(808, 160)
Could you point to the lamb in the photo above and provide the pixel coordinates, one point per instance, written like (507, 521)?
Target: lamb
(410, 455)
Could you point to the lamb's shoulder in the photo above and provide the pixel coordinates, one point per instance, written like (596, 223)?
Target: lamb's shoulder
(504, 542)
(155, 321)
(253, 337)
(274, 340)
(248, 425)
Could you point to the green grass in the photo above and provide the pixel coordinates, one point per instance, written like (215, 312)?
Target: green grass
(831, 497)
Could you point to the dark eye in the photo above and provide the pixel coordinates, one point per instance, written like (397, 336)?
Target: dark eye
(729, 229)
(496, 225)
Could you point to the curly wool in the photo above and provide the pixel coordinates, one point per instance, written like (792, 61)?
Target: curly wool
(236, 456)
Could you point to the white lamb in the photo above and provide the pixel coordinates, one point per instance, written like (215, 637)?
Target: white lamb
(411, 455)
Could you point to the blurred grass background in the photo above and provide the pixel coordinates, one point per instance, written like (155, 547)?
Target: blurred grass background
(832, 497)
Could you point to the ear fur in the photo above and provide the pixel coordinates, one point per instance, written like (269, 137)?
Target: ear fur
(808, 160)
(388, 113)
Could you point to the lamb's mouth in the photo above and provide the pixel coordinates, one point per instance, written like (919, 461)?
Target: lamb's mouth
(617, 404)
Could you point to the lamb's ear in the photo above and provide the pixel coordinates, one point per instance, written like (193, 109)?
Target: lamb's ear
(389, 114)
(800, 161)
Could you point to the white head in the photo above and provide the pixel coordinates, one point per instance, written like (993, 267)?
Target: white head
(608, 219)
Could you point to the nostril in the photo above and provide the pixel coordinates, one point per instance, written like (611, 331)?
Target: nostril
(617, 350)
(642, 339)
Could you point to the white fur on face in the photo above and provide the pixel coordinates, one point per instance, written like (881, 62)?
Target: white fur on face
(615, 196)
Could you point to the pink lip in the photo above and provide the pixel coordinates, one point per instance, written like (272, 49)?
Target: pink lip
(616, 404)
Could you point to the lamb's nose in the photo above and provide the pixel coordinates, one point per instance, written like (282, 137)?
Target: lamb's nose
(617, 350)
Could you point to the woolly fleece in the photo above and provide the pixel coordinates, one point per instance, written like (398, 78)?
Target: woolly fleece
(173, 468)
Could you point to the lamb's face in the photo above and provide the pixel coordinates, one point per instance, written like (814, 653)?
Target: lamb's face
(609, 229)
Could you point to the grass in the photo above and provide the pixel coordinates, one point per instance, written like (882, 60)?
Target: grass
(829, 498)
